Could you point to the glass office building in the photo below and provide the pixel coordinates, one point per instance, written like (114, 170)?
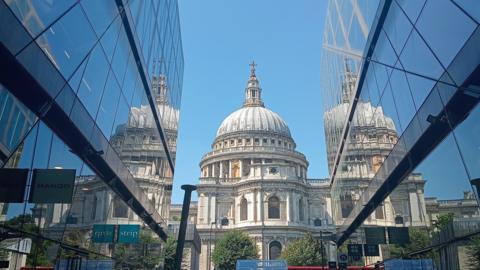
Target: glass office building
(93, 86)
(400, 82)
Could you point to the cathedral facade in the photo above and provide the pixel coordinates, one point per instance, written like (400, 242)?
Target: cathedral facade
(255, 181)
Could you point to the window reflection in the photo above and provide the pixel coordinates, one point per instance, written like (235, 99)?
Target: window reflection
(68, 41)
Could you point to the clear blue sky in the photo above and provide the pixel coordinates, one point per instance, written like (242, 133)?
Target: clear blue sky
(220, 39)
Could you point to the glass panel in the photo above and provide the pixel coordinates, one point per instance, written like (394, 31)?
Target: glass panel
(108, 107)
(397, 27)
(445, 28)
(93, 81)
(36, 15)
(468, 138)
(471, 7)
(417, 58)
(403, 99)
(14, 37)
(100, 13)
(411, 8)
(68, 41)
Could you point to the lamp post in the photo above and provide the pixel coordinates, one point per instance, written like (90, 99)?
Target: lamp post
(183, 225)
(210, 245)
(318, 223)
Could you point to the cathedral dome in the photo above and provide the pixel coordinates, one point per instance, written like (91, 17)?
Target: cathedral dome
(253, 116)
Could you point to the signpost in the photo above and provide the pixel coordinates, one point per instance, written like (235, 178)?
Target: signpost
(398, 235)
(355, 250)
(371, 250)
(375, 235)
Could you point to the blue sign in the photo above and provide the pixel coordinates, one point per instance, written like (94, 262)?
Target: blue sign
(103, 233)
(87, 265)
(416, 264)
(261, 265)
(129, 234)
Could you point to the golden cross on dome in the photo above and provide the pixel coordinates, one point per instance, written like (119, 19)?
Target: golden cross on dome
(252, 68)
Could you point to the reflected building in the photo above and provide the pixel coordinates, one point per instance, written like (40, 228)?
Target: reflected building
(372, 136)
(400, 90)
(255, 181)
(93, 86)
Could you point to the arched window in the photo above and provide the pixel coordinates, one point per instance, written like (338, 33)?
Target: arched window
(120, 209)
(346, 203)
(274, 250)
(273, 207)
(243, 209)
(379, 212)
(398, 220)
(300, 209)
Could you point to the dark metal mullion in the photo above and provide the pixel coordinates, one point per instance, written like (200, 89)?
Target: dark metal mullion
(371, 43)
(143, 76)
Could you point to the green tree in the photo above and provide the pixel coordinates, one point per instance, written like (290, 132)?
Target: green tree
(305, 251)
(138, 256)
(168, 253)
(37, 254)
(234, 245)
(419, 239)
(443, 220)
(473, 251)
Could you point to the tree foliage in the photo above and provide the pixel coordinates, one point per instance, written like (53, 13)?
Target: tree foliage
(139, 256)
(473, 252)
(305, 251)
(37, 254)
(234, 245)
(168, 253)
(419, 239)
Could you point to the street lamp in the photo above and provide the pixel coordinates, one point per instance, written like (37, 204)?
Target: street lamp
(318, 223)
(210, 245)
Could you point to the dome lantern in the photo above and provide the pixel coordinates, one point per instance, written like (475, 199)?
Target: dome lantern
(253, 92)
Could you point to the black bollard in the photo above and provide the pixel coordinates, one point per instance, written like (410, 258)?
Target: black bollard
(183, 224)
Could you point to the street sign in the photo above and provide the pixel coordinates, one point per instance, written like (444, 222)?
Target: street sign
(375, 235)
(332, 265)
(52, 186)
(398, 235)
(4, 264)
(103, 233)
(261, 265)
(12, 185)
(371, 250)
(342, 257)
(128, 234)
(355, 250)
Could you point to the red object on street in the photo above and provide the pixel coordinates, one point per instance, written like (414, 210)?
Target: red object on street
(326, 267)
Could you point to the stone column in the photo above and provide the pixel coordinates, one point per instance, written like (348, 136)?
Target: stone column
(230, 169)
(221, 169)
(255, 196)
(209, 208)
(213, 170)
(241, 167)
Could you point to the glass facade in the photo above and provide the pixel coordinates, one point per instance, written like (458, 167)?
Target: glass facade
(401, 96)
(93, 86)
